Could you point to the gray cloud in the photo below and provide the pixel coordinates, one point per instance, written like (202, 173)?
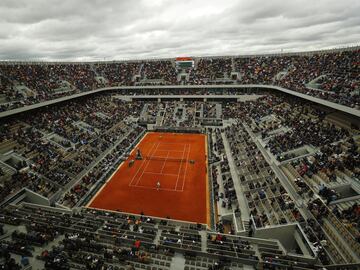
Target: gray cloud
(112, 29)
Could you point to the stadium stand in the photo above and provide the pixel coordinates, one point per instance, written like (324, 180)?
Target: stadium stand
(283, 171)
(330, 75)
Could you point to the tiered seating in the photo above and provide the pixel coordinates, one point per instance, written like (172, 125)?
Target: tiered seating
(81, 231)
(82, 76)
(118, 73)
(229, 246)
(327, 75)
(203, 262)
(338, 69)
(159, 72)
(181, 239)
(76, 147)
(262, 69)
(305, 132)
(210, 69)
(268, 201)
(8, 94)
(39, 78)
(332, 165)
(112, 240)
(209, 110)
(45, 143)
(190, 115)
(176, 114)
(169, 119)
(102, 169)
(228, 196)
(343, 217)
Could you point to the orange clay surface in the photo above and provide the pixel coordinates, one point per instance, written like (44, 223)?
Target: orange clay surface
(183, 191)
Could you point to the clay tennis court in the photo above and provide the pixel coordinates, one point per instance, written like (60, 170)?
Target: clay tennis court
(178, 162)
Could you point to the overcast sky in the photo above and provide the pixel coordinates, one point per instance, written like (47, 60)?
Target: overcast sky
(122, 29)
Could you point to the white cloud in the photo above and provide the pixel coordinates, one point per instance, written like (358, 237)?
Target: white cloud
(94, 29)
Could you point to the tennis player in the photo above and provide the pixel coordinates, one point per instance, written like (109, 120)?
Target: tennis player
(158, 185)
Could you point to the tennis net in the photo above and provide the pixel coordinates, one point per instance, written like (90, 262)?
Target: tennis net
(167, 159)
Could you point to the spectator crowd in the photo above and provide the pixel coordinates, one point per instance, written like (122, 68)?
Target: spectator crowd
(330, 75)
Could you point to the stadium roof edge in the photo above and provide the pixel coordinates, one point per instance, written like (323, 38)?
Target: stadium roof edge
(320, 101)
(320, 51)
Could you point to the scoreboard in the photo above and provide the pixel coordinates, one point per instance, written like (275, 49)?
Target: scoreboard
(184, 62)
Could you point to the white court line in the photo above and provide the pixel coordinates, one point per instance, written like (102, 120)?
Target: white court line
(165, 162)
(141, 166)
(152, 156)
(178, 174)
(154, 188)
(130, 184)
(175, 151)
(182, 189)
(166, 174)
(147, 164)
(163, 158)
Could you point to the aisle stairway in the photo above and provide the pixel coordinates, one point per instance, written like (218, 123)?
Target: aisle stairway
(245, 215)
(178, 262)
